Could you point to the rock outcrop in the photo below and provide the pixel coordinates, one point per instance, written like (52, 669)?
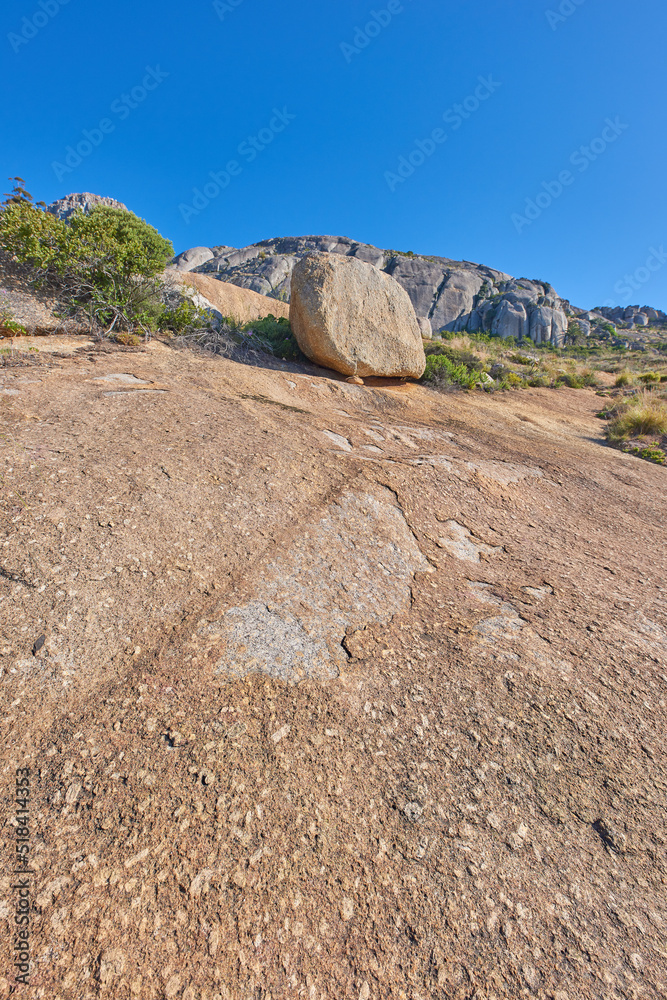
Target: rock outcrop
(629, 316)
(192, 258)
(347, 315)
(219, 299)
(449, 294)
(239, 304)
(64, 207)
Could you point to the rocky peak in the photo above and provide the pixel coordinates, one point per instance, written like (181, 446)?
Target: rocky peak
(64, 207)
(446, 294)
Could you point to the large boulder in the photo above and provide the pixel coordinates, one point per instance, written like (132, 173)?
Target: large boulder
(194, 257)
(347, 315)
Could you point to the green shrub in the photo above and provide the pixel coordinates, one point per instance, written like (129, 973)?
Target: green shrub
(574, 380)
(9, 327)
(181, 318)
(643, 415)
(624, 379)
(441, 371)
(105, 262)
(457, 355)
(275, 336)
(650, 454)
(521, 359)
(571, 380)
(590, 379)
(649, 377)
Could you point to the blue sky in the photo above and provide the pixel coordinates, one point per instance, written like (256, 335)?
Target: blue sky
(341, 117)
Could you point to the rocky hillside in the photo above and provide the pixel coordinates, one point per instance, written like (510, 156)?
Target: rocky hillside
(327, 691)
(629, 316)
(447, 294)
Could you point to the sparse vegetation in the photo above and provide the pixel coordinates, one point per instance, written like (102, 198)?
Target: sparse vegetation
(624, 379)
(268, 336)
(642, 415)
(274, 335)
(9, 327)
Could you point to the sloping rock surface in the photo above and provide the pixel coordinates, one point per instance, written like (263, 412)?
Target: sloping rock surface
(226, 300)
(327, 691)
(347, 315)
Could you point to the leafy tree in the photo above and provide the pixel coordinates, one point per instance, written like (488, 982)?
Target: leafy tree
(105, 262)
(19, 196)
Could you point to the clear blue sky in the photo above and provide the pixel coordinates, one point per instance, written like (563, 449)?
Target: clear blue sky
(359, 103)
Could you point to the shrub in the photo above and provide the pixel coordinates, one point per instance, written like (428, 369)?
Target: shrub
(128, 339)
(574, 333)
(570, 380)
(457, 355)
(9, 327)
(181, 318)
(589, 378)
(521, 359)
(105, 262)
(649, 377)
(274, 336)
(650, 454)
(624, 379)
(441, 371)
(19, 196)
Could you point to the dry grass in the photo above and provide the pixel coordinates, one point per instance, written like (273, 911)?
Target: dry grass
(642, 416)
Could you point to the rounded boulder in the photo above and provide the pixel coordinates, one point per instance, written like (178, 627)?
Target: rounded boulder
(348, 316)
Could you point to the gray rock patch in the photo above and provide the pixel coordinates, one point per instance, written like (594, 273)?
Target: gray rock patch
(351, 568)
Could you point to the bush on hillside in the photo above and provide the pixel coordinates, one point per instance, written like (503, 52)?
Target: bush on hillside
(441, 372)
(457, 355)
(274, 336)
(105, 263)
